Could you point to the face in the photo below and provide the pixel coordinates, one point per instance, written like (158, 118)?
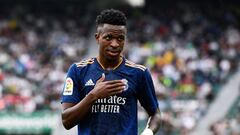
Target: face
(111, 39)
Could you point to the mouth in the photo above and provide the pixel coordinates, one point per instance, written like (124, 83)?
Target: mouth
(113, 53)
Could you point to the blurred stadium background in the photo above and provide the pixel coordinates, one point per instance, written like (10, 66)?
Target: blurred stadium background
(191, 47)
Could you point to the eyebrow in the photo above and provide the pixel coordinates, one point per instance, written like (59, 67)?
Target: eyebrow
(110, 34)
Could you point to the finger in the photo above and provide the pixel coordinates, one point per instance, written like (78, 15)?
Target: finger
(101, 79)
(115, 92)
(114, 81)
(119, 89)
(115, 85)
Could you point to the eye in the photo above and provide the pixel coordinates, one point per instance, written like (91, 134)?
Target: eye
(108, 37)
(121, 38)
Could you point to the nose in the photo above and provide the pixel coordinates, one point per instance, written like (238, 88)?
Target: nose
(114, 43)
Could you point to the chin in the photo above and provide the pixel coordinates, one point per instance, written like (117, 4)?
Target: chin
(113, 58)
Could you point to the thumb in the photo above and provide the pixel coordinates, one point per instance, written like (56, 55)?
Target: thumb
(101, 79)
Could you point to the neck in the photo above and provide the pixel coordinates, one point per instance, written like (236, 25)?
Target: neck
(109, 64)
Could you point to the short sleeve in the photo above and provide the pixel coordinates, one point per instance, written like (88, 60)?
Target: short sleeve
(146, 93)
(71, 90)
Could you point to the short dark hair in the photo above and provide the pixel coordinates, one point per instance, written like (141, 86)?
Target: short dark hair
(111, 16)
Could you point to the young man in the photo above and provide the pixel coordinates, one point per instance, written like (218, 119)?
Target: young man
(100, 94)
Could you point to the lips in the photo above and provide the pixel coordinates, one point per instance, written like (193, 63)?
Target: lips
(113, 53)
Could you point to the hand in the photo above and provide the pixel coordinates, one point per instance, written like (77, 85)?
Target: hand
(105, 89)
(147, 131)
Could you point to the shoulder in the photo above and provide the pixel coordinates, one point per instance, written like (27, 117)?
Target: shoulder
(79, 66)
(84, 63)
(133, 65)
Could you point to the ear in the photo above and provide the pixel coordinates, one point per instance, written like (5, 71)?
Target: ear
(97, 37)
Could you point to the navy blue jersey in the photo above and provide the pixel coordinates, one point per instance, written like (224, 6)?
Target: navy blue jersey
(115, 115)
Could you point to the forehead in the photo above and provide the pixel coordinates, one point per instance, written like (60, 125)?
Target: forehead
(114, 29)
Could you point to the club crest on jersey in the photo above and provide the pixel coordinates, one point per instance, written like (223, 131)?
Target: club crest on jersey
(125, 81)
(68, 87)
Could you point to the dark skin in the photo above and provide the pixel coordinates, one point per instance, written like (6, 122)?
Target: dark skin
(111, 39)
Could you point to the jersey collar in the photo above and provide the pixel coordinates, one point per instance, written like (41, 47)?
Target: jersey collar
(99, 66)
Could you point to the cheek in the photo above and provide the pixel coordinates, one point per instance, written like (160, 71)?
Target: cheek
(121, 45)
(103, 44)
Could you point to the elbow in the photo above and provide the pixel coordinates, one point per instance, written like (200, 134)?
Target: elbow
(66, 122)
(66, 125)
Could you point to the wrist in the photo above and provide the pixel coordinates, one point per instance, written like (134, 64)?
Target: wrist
(92, 96)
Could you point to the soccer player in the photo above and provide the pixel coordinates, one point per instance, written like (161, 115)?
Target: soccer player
(100, 94)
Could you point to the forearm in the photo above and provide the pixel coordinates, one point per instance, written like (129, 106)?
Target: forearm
(73, 113)
(154, 121)
(76, 113)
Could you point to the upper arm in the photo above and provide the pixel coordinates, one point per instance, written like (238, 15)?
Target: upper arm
(146, 93)
(72, 87)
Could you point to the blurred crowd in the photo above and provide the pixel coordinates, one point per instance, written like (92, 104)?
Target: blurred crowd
(230, 125)
(226, 126)
(36, 50)
(189, 51)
